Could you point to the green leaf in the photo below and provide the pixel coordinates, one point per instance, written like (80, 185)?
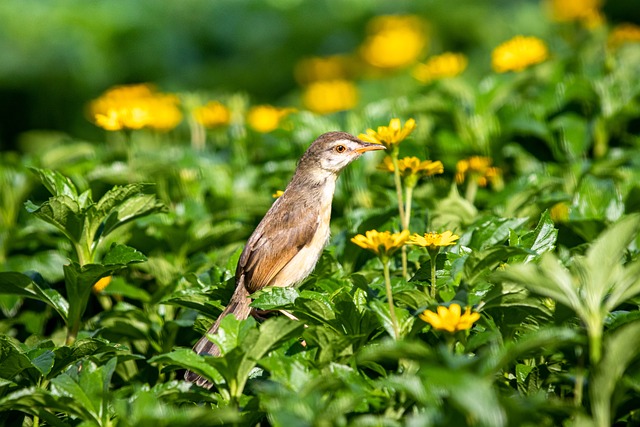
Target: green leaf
(66, 355)
(405, 319)
(548, 278)
(480, 263)
(42, 359)
(274, 298)
(188, 359)
(62, 212)
(12, 359)
(86, 389)
(122, 255)
(604, 257)
(37, 402)
(475, 396)
(56, 183)
(491, 232)
(542, 239)
(623, 347)
(14, 283)
(547, 338)
(124, 204)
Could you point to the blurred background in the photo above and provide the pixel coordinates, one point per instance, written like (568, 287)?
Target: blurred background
(57, 55)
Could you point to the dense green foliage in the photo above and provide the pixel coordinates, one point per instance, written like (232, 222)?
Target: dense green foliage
(548, 255)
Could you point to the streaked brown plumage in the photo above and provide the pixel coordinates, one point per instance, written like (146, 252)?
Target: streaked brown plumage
(286, 245)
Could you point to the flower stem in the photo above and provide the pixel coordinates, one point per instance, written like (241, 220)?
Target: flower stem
(472, 189)
(401, 211)
(392, 311)
(433, 254)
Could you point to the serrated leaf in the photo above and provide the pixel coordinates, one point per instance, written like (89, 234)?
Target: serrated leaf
(62, 212)
(56, 183)
(135, 206)
(122, 255)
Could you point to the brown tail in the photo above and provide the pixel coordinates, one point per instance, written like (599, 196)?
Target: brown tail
(239, 306)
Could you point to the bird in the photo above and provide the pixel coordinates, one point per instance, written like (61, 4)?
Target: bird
(287, 243)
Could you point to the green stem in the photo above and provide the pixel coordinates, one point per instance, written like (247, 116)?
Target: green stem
(398, 183)
(433, 255)
(392, 311)
(595, 343)
(401, 211)
(407, 210)
(472, 189)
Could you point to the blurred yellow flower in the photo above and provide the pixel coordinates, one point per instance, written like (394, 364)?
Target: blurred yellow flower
(213, 114)
(624, 33)
(586, 11)
(559, 212)
(478, 168)
(434, 240)
(266, 118)
(518, 53)
(440, 66)
(314, 69)
(135, 107)
(277, 194)
(330, 96)
(389, 136)
(450, 319)
(413, 166)
(381, 243)
(102, 284)
(394, 41)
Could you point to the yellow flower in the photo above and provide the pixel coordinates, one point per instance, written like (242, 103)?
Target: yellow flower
(413, 166)
(480, 169)
(213, 114)
(381, 243)
(135, 107)
(440, 66)
(394, 41)
(450, 319)
(433, 240)
(266, 118)
(624, 33)
(586, 11)
(102, 284)
(277, 194)
(389, 136)
(326, 97)
(559, 212)
(315, 69)
(518, 53)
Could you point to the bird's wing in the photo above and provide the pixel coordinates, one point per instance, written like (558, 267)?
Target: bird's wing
(277, 239)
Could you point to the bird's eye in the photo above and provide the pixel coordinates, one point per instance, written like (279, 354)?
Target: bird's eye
(340, 148)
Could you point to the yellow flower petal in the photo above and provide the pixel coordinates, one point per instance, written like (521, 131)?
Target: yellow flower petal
(518, 53)
(450, 319)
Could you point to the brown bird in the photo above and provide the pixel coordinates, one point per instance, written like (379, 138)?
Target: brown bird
(286, 245)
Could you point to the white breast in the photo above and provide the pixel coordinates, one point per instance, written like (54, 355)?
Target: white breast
(303, 263)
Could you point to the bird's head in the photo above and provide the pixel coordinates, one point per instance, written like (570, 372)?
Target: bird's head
(333, 151)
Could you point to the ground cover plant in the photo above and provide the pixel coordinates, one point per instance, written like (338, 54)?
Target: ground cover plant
(483, 271)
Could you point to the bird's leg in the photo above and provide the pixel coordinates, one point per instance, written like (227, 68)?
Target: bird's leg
(289, 315)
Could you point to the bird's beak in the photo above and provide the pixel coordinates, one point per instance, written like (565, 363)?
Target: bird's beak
(366, 146)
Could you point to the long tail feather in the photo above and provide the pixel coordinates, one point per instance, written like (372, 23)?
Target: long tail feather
(239, 307)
